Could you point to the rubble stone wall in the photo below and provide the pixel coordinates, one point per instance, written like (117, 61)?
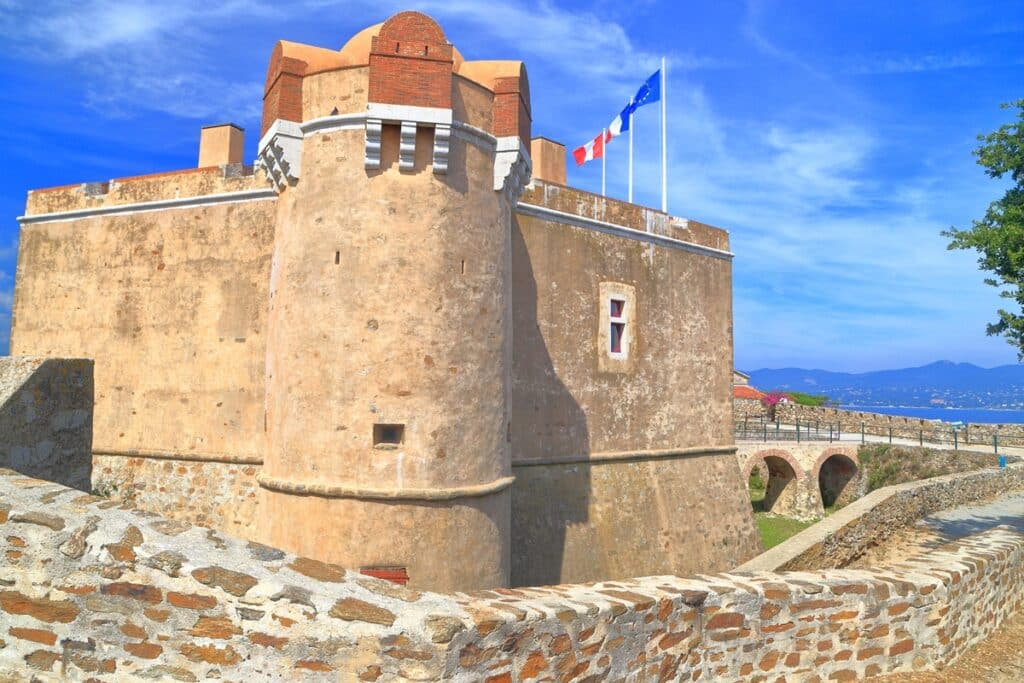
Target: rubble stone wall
(845, 535)
(877, 424)
(46, 418)
(92, 589)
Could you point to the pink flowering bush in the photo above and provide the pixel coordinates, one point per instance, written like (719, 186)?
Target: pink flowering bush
(771, 400)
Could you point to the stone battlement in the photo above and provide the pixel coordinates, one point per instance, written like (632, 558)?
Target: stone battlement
(133, 190)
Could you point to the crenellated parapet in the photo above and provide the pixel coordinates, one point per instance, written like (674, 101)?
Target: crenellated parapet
(412, 78)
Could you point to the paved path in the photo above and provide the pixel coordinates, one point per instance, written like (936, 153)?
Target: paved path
(974, 519)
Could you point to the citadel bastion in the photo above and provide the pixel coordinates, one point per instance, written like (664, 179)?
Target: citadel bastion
(400, 343)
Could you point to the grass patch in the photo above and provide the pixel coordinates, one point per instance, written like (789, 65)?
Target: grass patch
(775, 529)
(886, 465)
(756, 494)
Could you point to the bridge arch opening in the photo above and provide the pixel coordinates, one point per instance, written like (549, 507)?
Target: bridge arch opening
(838, 475)
(777, 476)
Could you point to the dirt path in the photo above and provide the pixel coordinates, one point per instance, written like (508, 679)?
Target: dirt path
(942, 527)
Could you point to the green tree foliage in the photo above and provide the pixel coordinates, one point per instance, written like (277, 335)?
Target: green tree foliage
(803, 399)
(999, 235)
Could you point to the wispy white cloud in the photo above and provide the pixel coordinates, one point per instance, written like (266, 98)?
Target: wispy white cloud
(903, 64)
(165, 55)
(130, 55)
(832, 252)
(753, 29)
(827, 251)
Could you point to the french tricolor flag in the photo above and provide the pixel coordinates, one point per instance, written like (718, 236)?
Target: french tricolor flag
(620, 124)
(592, 150)
(650, 92)
(595, 148)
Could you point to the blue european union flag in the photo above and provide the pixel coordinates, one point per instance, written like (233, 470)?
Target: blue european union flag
(649, 92)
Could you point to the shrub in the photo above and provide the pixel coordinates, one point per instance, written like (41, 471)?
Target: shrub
(814, 400)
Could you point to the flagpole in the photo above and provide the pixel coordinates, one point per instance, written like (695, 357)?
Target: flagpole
(630, 192)
(664, 144)
(604, 153)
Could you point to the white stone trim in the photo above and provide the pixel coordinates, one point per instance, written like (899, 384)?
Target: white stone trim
(407, 147)
(371, 150)
(475, 136)
(316, 488)
(158, 205)
(410, 119)
(280, 152)
(397, 113)
(326, 124)
(605, 457)
(512, 167)
(442, 147)
(546, 214)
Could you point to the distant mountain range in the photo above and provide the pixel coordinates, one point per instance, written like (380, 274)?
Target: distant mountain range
(944, 383)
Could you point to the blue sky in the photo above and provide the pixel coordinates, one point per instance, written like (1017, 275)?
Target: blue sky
(833, 140)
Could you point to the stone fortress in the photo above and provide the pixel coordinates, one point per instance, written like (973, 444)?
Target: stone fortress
(400, 348)
(399, 342)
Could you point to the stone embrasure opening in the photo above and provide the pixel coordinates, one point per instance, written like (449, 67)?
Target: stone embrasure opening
(388, 436)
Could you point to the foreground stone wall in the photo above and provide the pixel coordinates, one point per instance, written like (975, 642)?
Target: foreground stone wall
(844, 536)
(90, 590)
(46, 418)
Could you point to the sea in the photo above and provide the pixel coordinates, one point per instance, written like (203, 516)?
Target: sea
(966, 415)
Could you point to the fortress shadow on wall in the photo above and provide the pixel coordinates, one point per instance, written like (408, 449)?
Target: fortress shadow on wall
(547, 422)
(46, 419)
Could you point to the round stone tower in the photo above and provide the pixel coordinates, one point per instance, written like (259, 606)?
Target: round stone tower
(389, 328)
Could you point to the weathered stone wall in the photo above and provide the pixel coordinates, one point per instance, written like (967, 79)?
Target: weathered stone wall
(170, 304)
(617, 519)
(618, 455)
(46, 418)
(219, 495)
(90, 590)
(746, 408)
(847, 534)
(929, 431)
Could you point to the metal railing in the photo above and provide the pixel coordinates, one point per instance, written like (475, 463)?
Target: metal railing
(762, 429)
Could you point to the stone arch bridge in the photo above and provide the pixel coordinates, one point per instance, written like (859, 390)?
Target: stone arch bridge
(801, 480)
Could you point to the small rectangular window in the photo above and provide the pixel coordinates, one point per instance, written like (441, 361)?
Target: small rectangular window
(617, 322)
(388, 436)
(615, 338)
(617, 331)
